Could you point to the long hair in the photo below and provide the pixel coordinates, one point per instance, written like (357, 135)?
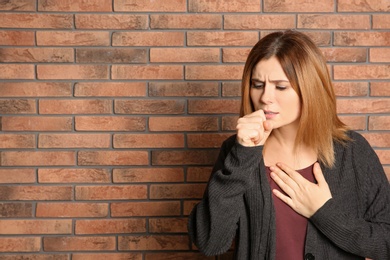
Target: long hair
(305, 68)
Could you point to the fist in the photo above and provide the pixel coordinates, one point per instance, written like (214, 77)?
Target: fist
(253, 129)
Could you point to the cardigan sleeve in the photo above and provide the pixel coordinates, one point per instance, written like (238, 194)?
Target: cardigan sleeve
(213, 222)
(368, 236)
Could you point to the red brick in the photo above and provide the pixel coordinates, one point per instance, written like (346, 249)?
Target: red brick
(131, 175)
(111, 55)
(75, 106)
(31, 20)
(355, 122)
(36, 55)
(37, 158)
(35, 89)
(35, 257)
(198, 174)
(188, 205)
(379, 123)
(380, 89)
(105, 256)
(63, 175)
(384, 156)
(320, 38)
(235, 54)
(17, 5)
(75, 5)
(299, 6)
(184, 55)
(186, 21)
(345, 54)
(113, 158)
(363, 6)
(110, 123)
(72, 38)
(363, 105)
(213, 140)
(149, 106)
(381, 140)
(17, 38)
(114, 192)
(178, 256)
(229, 123)
(72, 210)
(183, 89)
(361, 71)
(147, 72)
(17, 106)
(224, 6)
(110, 226)
(73, 72)
(231, 89)
(379, 54)
(168, 225)
(74, 141)
(350, 89)
(17, 71)
(177, 191)
(381, 21)
(149, 6)
(28, 227)
(110, 89)
(222, 38)
(148, 39)
(71, 244)
(157, 242)
(20, 244)
(133, 209)
(183, 123)
(148, 140)
(334, 21)
(36, 193)
(214, 72)
(16, 210)
(34, 123)
(178, 157)
(387, 172)
(216, 106)
(257, 22)
(17, 141)
(111, 21)
(362, 38)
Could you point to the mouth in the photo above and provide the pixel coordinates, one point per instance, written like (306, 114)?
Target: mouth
(270, 114)
(267, 112)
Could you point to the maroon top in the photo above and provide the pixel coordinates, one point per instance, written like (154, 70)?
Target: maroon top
(290, 226)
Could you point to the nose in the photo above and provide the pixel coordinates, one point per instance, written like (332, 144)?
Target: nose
(268, 94)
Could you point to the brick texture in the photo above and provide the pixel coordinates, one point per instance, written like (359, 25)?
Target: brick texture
(112, 112)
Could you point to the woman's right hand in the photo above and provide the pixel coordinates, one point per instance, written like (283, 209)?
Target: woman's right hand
(253, 129)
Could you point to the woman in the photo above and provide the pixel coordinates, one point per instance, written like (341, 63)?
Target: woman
(293, 183)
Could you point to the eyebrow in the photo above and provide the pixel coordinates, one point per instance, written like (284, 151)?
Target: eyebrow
(273, 81)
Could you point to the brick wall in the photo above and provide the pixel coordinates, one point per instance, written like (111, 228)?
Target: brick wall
(112, 111)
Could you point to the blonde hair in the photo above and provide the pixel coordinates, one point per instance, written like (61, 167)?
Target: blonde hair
(305, 68)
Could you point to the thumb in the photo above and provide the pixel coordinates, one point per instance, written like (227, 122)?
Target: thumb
(268, 126)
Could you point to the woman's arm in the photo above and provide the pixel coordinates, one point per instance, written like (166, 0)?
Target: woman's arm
(368, 236)
(213, 222)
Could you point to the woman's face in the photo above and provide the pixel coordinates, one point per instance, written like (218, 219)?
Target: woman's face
(271, 91)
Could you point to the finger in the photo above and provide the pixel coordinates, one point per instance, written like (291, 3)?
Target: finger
(257, 113)
(284, 182)
(318, 175)
(284, 198)
(291, 172)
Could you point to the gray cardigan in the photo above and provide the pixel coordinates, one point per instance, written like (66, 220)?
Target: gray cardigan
(238, 204)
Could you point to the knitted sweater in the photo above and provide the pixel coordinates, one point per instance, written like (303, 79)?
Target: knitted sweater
(238, 204)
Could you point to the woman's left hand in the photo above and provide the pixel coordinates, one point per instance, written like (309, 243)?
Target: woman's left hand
(304, 196)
